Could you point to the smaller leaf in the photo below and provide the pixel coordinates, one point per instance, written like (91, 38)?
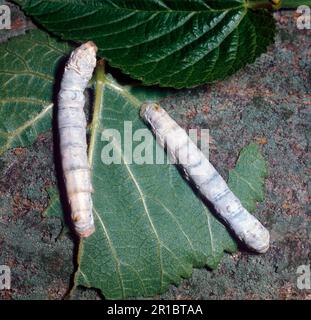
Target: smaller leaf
(246, 180)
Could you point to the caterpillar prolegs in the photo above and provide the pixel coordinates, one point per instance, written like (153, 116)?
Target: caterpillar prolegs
(205, 177)
(72, 136)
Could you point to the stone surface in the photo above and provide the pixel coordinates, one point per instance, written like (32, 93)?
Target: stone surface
(267, 102)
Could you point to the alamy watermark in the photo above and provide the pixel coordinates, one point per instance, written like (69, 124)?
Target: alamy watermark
(5, 17)
(140, 147)
(304, 277)
(304, 20)
(5, 277)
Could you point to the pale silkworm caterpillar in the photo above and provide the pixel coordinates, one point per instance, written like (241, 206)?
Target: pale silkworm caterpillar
(205, 177)
(72, 136)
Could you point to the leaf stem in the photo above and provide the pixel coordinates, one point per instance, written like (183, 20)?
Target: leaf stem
(100, 78)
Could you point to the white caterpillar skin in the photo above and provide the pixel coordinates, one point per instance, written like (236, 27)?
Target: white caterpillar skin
(72, 135)
(209, 182)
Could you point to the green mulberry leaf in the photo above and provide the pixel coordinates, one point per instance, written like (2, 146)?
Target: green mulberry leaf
(247, 178)
(175, 43)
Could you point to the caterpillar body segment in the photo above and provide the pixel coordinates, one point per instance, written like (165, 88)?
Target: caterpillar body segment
(72, 136)
(205, 177)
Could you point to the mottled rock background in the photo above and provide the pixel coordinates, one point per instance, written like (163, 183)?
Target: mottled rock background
(267, 102)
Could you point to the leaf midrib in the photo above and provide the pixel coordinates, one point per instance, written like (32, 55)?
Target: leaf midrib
(98, 106)
(100, 85)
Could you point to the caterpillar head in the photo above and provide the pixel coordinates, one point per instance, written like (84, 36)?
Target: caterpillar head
(83, 59)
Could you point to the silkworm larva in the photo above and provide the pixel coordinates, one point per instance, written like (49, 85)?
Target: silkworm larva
(205, 177)
(72, 136)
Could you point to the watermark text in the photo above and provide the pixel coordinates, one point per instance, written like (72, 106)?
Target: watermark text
(5, 277)
(5, 17)
(304, 277)
(304, 20)
(139, 146)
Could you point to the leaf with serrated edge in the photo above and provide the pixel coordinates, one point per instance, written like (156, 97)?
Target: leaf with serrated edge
(28, 66)
(176, 43)
(151, 227)
(247, 178)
